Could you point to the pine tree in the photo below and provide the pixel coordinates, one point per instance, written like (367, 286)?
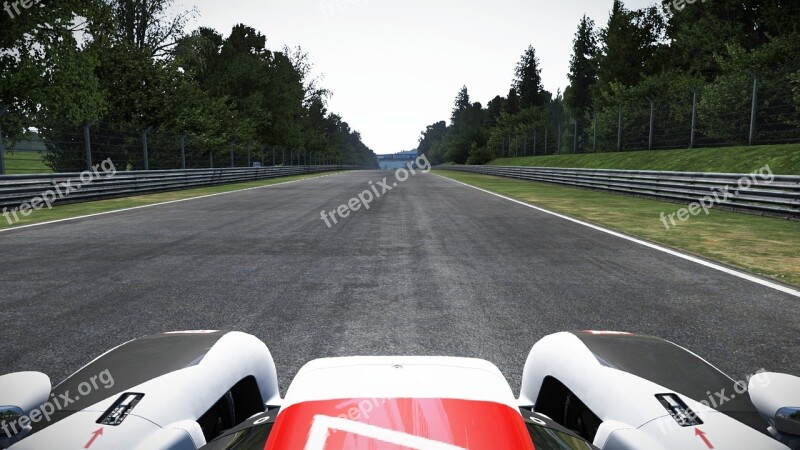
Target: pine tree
(583, 69)
(512, 104)
(462, 103)
(528, 81)
(630, 43)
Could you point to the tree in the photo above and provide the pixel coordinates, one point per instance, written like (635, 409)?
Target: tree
(630, 45)
(512, 104)
(303, 66)
(461, 104)
(583, 70)
(44, 72)
(466, 134)
(148, 25)
(494, 110)
(126, 65)
(700, 34)
(433, 134)
(198, 55)
(528, 81)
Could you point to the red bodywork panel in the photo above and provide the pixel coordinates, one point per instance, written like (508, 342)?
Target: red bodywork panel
(395, 424)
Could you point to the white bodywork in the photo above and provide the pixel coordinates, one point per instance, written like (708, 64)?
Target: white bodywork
(399, 377)
(17, 387)
(781, 392)
(619, 399)
(166, 417)
(23, 392)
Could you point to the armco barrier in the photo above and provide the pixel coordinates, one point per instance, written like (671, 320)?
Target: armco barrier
(780, 197)
(18, 189)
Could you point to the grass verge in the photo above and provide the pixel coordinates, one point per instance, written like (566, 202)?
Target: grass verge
(782, 159)
(100, 206)
(18, 163)
(765, 246)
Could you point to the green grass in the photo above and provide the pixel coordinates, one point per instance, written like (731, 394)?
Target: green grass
(25, 163)
(764, 246)
(100, 206)
(782, 159)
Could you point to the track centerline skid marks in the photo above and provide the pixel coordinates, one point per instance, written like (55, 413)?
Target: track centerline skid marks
(694, 259)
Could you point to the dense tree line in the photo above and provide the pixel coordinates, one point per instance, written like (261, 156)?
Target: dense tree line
(131, 64)
(659, 53)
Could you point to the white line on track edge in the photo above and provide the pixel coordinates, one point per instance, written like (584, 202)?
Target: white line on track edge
(729, 271)
(159, 204)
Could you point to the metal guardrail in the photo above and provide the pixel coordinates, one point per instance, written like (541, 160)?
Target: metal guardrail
(780, 197)
(16, 190)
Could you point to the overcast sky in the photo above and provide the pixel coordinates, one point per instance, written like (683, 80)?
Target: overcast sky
(396, 66)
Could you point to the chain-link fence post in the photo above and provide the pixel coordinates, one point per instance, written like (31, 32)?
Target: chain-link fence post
(754, 107)
(594, 134)
(558, 148)
(619, 129)
(694, 117)
(144, 148)
(3, 111)
(233, 164)
(2, 153)
(183, 151)
(652, 123)
(87, 143)
(575, 136)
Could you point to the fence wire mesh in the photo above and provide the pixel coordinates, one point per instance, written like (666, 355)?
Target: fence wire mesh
(63, 148)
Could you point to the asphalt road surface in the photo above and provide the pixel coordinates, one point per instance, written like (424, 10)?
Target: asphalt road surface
(432, 268)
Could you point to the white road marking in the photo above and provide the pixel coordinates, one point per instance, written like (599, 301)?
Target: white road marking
(161, 203)
(729, 271)
(322, 425)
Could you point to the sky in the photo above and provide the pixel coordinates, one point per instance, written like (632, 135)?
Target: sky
(395, 67)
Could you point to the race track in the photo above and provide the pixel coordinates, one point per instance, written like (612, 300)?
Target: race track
(433, 268)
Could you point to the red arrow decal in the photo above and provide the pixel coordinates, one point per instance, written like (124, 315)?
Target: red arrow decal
(94, 437)
(702, 435)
